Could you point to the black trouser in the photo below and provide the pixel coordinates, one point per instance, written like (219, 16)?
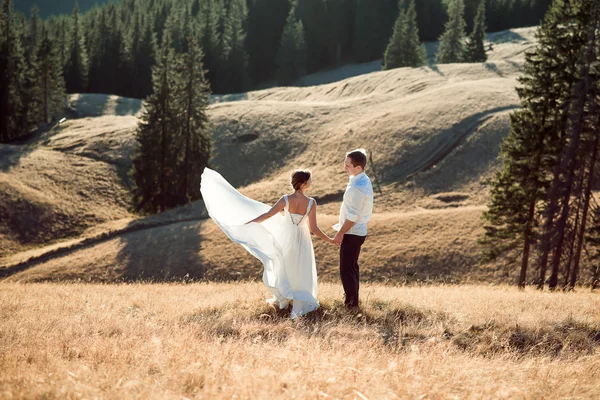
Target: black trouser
(349, 252)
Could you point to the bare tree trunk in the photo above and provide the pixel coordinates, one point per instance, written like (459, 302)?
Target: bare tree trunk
(573, 236)
(588, 190)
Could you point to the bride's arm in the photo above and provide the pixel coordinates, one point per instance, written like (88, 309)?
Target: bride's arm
(314, 228)
(274, 210)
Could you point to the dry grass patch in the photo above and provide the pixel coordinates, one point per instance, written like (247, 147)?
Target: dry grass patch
(221, 340)
(46, 196)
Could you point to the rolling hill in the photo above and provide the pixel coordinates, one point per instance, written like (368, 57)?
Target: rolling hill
(433, 136)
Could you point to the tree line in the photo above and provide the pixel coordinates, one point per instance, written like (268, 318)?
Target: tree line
(543, 212)
(113, 47)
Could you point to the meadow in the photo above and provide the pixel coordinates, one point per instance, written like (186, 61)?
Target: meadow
(208, 340)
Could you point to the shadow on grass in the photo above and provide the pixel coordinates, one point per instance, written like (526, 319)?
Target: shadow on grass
(399, 326)
(166, 253)
(10, 155)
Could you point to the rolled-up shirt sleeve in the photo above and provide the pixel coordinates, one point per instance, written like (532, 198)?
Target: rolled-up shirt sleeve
(354, 200)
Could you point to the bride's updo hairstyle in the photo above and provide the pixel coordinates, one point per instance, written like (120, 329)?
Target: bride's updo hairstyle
(299, 178)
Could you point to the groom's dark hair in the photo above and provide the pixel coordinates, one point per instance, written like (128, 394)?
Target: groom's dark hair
(358, 157)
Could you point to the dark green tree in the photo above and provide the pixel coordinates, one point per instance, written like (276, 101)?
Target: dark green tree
(153, 171)
(543, 193)
(76, 72)
(452, 48)
(405, 49)
(234, 66)
(210, 10)
(475, 51)
(13, 113)
(291, 57)
(194, 138)
(265, 23)
(35, 30)
(50, 89)
(373, 28)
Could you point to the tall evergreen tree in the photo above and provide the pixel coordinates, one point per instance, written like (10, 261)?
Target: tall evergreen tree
(452, 48)
(76, 72)
(291, 57)
(317, 31)
(405, 49)
(191, 100)
(209, 37)
(99, 79)
(550, 156)
(265, 23)
(148, 52)
(235, 58)
(153, 171)
(475, 51)
(50, 90)
(373, 28)
(35, 30)
(62, 44)
(12, 69)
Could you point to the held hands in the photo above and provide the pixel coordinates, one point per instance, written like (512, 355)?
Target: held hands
(337, 240)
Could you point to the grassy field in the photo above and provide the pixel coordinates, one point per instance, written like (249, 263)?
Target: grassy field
(212, 340)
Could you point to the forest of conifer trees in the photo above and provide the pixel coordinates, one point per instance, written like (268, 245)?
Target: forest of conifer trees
(542, 208)
(111, 48)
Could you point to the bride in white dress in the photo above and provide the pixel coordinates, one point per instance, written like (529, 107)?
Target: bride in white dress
(281, 241)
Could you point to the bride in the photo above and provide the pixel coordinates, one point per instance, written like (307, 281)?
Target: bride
(278, 236)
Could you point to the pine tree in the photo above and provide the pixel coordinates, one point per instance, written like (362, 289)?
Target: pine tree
(317, 33)
(77, 64)
(12, 68)
(373, 28)
(475, 51)
(578, 158)
(209, 37)
(50, 91)
(98, 79)
(62, 43)
(452, 48)
(233, 52)
(265, 23)
(147, 53)
(291, 57)
(405, 49)
(152, 166)
(528, 153)
(191, 100)
(35, 30)
(551, 154)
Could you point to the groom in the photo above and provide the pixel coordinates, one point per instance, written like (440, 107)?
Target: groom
(355, 212)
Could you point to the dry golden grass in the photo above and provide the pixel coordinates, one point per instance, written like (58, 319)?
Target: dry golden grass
(221, 340)
(417, 246)
(47, 195)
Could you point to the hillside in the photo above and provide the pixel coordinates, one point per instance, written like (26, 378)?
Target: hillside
(433, 134)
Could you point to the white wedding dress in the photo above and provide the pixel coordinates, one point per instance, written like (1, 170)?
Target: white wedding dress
(282, 243)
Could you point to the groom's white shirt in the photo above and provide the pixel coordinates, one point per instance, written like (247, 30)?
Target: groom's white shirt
(357, 205)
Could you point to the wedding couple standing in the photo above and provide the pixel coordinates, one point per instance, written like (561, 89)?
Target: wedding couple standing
(279, 236)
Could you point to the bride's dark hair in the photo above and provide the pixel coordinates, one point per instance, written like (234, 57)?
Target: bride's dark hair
(299, 178)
